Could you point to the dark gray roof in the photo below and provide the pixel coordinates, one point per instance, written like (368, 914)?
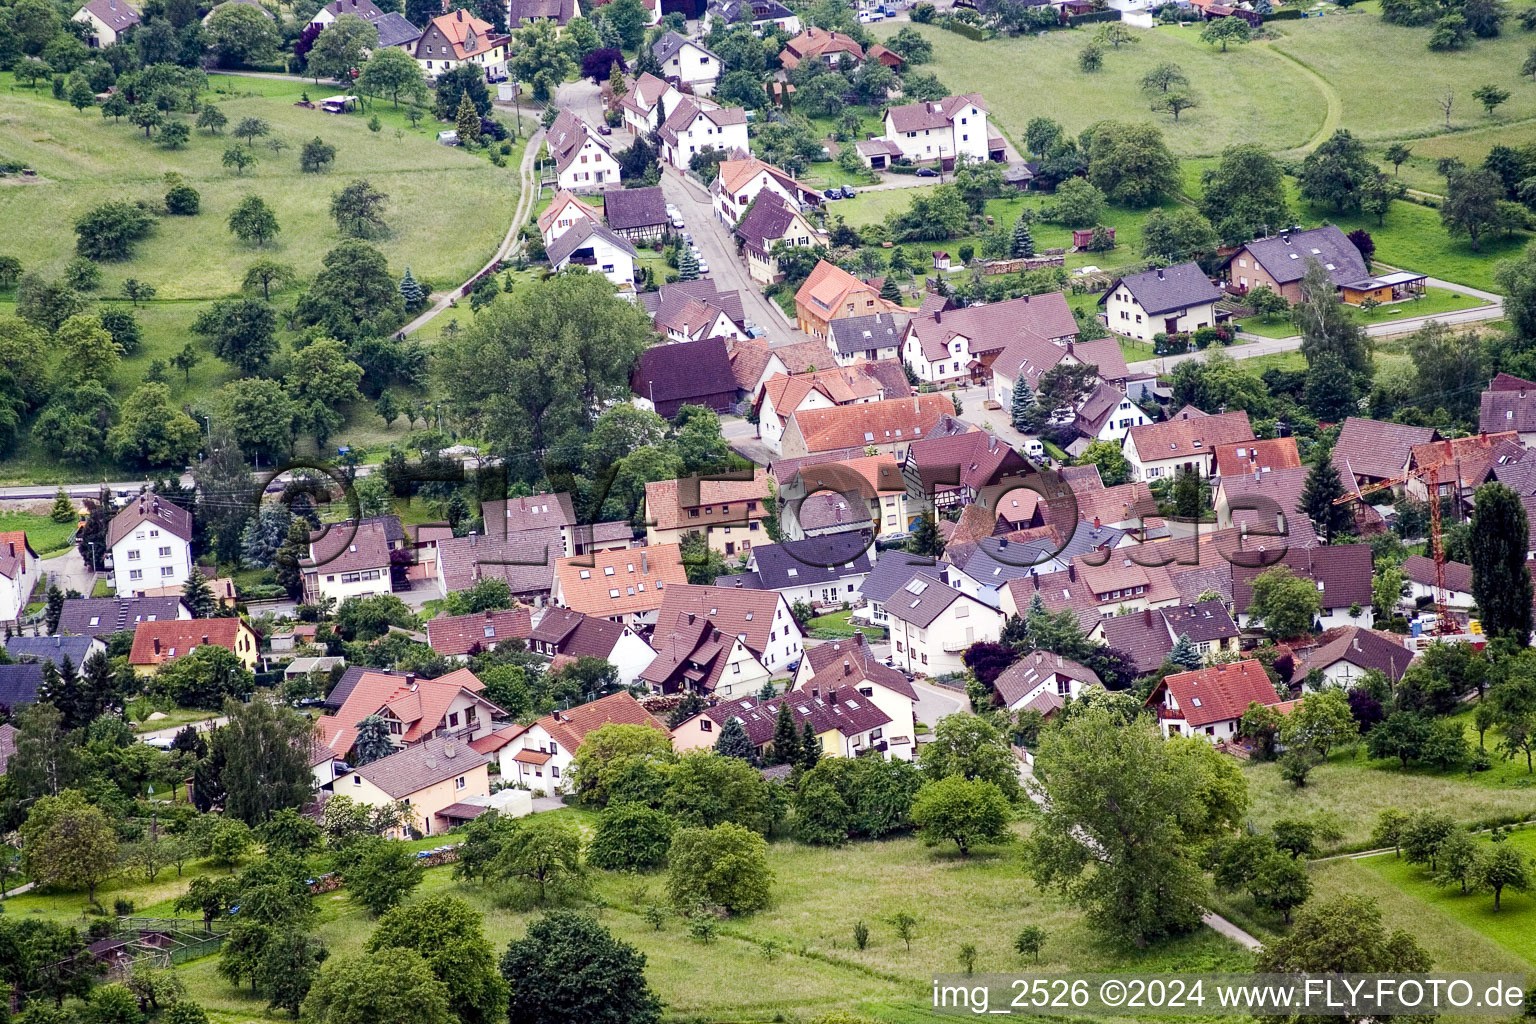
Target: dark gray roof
(1085, 538)
(1202, 622)
(343, 688)
(749, 10)
(892, 570)
(1167, 288)
(814, 560)
(98, 616)
(860, 333)
(668, 45)
(19, 684)
(1284, 257)
(1141, 636)
(561, 11)
(425, 764)
(996, 560)
(922, 599)
(766, 221)
(574, 237)
(740, 581)
(665, 302)
(684, 370)
(394, 30)
(626, 208)
(50, 648)
(526, 561)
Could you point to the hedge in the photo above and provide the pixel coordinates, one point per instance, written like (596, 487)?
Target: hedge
(1088, 19)
(972, 32)
(1287, 14)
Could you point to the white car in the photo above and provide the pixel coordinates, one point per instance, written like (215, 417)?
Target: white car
(677, 220)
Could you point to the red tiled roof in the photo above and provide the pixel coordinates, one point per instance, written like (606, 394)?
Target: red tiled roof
(1218, 693)
(624, 581)
(667, 501)
(155, 643)
(1250, 456)
(893, 421)
(1190, 432)
(570, 727)
(452, 635)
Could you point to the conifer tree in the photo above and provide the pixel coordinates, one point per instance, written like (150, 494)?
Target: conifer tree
(785, 748)
(734, 742)
(467, 121)
(1021, 244)
(197, 595)
(810, 747)
(1322, 489)
(1185, 654)
(1023, 411)
(410, 290)
(687, 265)
(63, 510)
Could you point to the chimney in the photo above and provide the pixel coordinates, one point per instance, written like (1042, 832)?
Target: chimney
(690, 618)
(449, 750)
(645, 563)
(157, 645)
(410, 680)
(205, 638)
(831, 696)
(848, 669)
(1146, 616)
(1159, 273)
(488, 614)
(1097, 524)
(815, 693)
(1072, 572)
(459, 14)
(938, 316)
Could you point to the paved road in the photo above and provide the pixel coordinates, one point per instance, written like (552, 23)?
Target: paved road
(583, 99)
(170, 732)
(936, 702)
(69, 571)
(726, 269)
(1390, 328)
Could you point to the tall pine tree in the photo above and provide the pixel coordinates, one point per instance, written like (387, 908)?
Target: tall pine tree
(467, 121)
(197, 595)
(372, 741)
(1021, 243)
(1322, 490)
(687, 264)
(1023, 411)
(734, 742)
(410, 290)
(1501, 577)
(55, 608)
(1185, 655)
(785, 748)
(810, 747)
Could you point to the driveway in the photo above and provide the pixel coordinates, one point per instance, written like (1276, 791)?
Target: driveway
(581, 98)
(69, 571)
(936, 702)
(726, 269)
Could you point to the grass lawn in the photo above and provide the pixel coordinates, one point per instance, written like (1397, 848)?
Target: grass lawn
(818, 895)
(1512, 927)
(46, 536)
(1435, 300)
(174, 718)
(836, 624)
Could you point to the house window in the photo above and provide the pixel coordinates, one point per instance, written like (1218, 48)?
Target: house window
(705, 725)
(165, 552)
(167, 570)
(357, 780)
(453, 719)
(133, 556)
(554, 771)
(458, 783)
(135, 574)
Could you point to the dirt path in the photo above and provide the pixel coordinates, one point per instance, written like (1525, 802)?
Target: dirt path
(1335, 115)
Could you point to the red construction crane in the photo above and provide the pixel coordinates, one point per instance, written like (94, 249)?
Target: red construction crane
(1430, 474)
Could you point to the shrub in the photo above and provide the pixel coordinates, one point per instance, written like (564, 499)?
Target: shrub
(183, 200)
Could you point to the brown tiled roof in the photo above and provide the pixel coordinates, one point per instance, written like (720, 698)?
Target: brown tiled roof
(155, 643)
(1421, 570)
(1375, 448)
(1284, 487)
(505, 516)
(829, 289)
(569, 728)
(1117, 504)
(1364, 648)
(118, 15)
(426, 764)
(468, 34)
(844, 710)
(804, 356)
(749, 359)
(1202, 622)
(667, 501)
(7, 745)
(827, 662)
(743, 612)
(1189, 432)
(1103, 353)
(1247, 456)
(622, 581)
(894, 421)
(916, 117)
(1141, 636)
(814, 42)
(685, 370)
(419, 703)
(736, 173)
(154, 510)
(558, 205)
(348, 547)
(1218, 693)
(1472, 456)
(891, 376)
(451, 635)
(492, 742)
(665, 301)
(526, 561)
(972, 460)
(996, 325)
(1344, 570)
(1035, 668)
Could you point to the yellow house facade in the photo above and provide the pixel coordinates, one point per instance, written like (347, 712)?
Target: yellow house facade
(428, 777)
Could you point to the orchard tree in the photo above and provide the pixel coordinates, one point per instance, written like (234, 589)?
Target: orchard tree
(68, 843)
(358, 209)
(242, 332)
(1226, 30)
(390, 986)
(448, 933)
(252, 220)
(963, 811)
(392, 72)
(1500, 866)
(1286, 604)
(569, 969)
(725, 866)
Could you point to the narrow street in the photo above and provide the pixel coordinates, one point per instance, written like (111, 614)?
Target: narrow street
(726, 269)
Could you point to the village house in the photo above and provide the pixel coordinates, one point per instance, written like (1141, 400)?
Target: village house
(460, 38)
(1374, 451)
(348, 559)
(648, 104)
(1211, 701)
(626, 586)
(932, 625)
(832, 48)
(687, 64)
(886, 427)
(668, 377)
(943, 131)
(762, 15)
(539, 756)
(672, 311)
(415, 709)
(772, 221)
(107, 21)
(524, 561)
(54, 648)
(741, 181)
(753, 362)
(19, 568)
(695, 127)
(876, 336)
(822, 572)
(1184, 443)
(1509, 404)
(728, 512)
(842, 496)
(1167, 300)
(831, 293)
(557, 12)
(427, 779)
(150, 542)
(395, 32)
(1266, 505)
(758, 618)
(563, 633)
(784, 395)
(19, 685)
(636, 214)
(539, 514)
(1206, 624)
(694, 656)
(1343, 657)
(563, 213)
(1279, 262)
(583, 162)
(456, 637)
(951, 346)
(844, 721)
(1107, 414)
(1043, 681)
(103, 616)
(157, 643)
(1341, 573)
(946, 472)
(1465, 464)
(222, 587)
(851, 662)
(365, 9)
(599, 250)
(1263, 456)
(1419, 577)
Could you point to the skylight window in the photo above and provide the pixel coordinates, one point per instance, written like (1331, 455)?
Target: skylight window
(1196, 702)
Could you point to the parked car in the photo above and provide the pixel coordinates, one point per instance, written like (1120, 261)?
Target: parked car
(865, 17)
(832, 193)
(603, 129)
(676, 218)
(927, 172)
(848, 192)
